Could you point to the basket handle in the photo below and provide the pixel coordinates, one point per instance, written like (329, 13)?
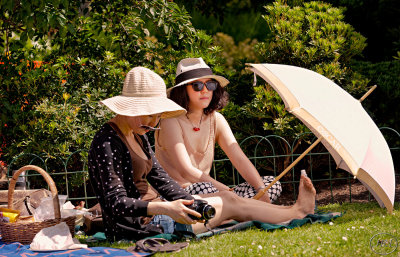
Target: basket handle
(49, 181)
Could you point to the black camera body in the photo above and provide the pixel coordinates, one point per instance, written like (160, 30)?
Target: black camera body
(207, 211)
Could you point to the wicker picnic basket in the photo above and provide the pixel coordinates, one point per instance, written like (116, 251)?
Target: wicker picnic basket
(24, 232)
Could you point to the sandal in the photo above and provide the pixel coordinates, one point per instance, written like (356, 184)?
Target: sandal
(154, 245)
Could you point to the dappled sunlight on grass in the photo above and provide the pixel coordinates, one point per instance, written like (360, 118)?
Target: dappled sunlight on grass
(348, 235)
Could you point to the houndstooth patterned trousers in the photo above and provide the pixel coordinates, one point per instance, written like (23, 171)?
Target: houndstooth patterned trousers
(243, 190)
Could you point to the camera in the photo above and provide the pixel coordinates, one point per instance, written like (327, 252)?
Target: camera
(207, 211)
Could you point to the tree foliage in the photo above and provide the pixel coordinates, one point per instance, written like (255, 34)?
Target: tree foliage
(35, 19)
(314, 36)
(240, 19)
(311, 35)
(60, 58)
(53, 76)
(379, 22)
(383, 103)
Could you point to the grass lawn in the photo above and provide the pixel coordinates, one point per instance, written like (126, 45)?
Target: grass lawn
(348, 235)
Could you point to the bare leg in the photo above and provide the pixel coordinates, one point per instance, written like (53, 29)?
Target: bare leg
(230, 206)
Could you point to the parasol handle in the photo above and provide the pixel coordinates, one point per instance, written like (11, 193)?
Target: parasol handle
(368, 93)
(262, 192)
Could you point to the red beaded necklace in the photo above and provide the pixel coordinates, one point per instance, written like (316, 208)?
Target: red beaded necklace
(194, 127)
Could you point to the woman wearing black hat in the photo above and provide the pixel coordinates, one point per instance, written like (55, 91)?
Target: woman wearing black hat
(185, 144)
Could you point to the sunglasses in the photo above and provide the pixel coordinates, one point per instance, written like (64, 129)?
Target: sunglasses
(210, 85)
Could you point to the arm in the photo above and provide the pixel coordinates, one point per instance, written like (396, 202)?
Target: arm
(229, 145)
(171, 190)
(107, 174)
(177, 210)
(172, 141)
(105, 160)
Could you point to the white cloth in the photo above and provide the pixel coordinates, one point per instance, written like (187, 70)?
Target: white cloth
(55, 238)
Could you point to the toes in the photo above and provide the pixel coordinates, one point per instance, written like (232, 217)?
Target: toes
(307, 180)
(308, 184)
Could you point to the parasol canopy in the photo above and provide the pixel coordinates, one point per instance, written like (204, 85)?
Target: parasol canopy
(340, 123)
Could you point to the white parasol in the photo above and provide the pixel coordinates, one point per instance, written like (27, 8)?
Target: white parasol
(340, 123)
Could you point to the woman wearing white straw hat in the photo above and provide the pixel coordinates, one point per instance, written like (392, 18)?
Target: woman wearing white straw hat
(185, 145)
(128, 180)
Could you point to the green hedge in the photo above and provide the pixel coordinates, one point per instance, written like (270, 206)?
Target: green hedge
(51, 83)
(383, 104)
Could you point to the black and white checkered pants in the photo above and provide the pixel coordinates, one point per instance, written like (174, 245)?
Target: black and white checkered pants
(244, 189)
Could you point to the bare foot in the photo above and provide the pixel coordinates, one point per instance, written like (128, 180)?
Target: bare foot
(306, 200)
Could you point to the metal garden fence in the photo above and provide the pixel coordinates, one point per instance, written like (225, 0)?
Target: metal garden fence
(269, 154)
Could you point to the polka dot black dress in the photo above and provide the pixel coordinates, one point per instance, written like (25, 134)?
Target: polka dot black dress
(111, 175)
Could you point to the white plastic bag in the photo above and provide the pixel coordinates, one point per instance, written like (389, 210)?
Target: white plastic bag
(45, 210)
(68, 209)
(57, 237)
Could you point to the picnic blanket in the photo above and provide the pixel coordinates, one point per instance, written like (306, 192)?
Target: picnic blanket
(238, 226)
(17, 249)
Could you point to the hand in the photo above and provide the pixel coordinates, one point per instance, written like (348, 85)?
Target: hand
(179, 211)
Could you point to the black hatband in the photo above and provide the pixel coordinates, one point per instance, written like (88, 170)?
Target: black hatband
(197, 73)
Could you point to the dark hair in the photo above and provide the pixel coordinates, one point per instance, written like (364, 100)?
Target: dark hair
(219, 99)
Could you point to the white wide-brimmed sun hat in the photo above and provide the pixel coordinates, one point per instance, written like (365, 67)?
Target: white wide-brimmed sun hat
(191, 69)
(143, 93)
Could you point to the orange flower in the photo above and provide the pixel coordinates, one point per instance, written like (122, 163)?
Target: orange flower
(37, 64)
